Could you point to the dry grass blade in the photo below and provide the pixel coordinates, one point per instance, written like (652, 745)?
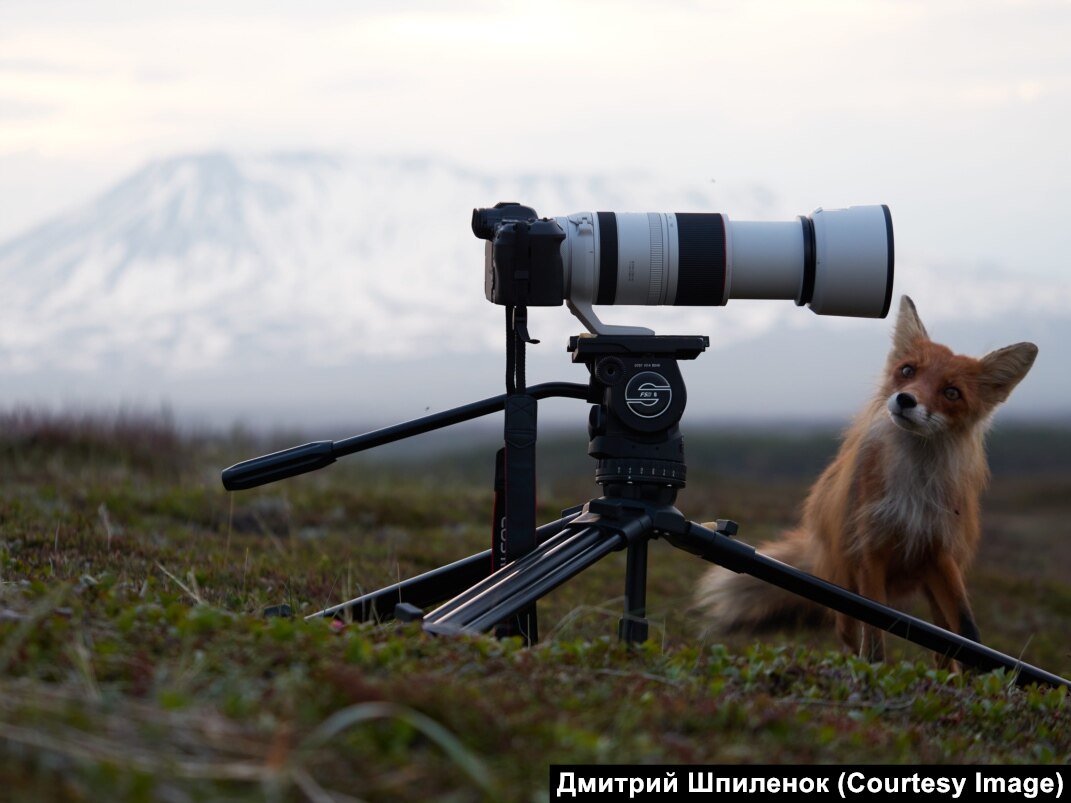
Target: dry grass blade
(87, 748)
(367, 712)
(192, 592)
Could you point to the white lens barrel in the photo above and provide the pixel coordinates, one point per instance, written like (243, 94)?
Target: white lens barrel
(766, 259)
(837, 262)
(648, 273)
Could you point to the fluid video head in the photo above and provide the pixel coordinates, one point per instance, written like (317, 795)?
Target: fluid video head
(836, 261)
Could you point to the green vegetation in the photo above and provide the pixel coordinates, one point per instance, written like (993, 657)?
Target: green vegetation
(135, 663)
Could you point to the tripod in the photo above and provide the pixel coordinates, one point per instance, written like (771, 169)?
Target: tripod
(638, 397)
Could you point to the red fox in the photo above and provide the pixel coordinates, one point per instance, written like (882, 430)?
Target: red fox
(897, 510)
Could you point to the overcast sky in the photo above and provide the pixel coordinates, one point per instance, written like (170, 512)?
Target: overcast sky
(956, 114)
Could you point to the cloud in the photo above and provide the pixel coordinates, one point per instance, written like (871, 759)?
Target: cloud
(19, 109)
(42, 67)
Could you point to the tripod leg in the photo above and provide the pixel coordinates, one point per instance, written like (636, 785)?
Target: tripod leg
(739, 557)
(520, 583)
(525, 580)
(422, 590)
(633, 625)
(431, 587)
(514, 530)
(559, 547)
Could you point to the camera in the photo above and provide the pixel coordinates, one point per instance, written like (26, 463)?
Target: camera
(835, 261)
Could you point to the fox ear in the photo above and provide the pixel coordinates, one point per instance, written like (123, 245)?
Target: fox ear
(909, 329)
(1005, 368)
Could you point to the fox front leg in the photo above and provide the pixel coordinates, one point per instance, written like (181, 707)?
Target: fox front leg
(947, 594)
(873, 584)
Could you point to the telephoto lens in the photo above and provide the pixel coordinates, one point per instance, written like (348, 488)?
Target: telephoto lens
(836, 261)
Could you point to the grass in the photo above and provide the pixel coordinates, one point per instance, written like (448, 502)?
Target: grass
(135, 663)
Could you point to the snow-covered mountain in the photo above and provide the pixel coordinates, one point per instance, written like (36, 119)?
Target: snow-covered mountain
(350, 285)
(204, 260)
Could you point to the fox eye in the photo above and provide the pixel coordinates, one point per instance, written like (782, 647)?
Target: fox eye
(907, 371)
(952, 394)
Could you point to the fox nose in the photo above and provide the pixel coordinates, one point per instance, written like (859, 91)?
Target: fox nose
(906, 401)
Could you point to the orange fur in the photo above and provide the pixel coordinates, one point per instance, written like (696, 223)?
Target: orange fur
(897, 511)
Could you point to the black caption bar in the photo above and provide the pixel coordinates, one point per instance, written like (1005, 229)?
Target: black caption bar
(635, 782)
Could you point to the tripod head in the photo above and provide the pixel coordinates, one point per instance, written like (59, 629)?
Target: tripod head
(634, 428)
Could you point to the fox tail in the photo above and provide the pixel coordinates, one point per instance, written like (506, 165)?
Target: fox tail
(734, 602)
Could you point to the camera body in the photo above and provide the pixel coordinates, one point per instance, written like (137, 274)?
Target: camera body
(837, 262)
(523, 262)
